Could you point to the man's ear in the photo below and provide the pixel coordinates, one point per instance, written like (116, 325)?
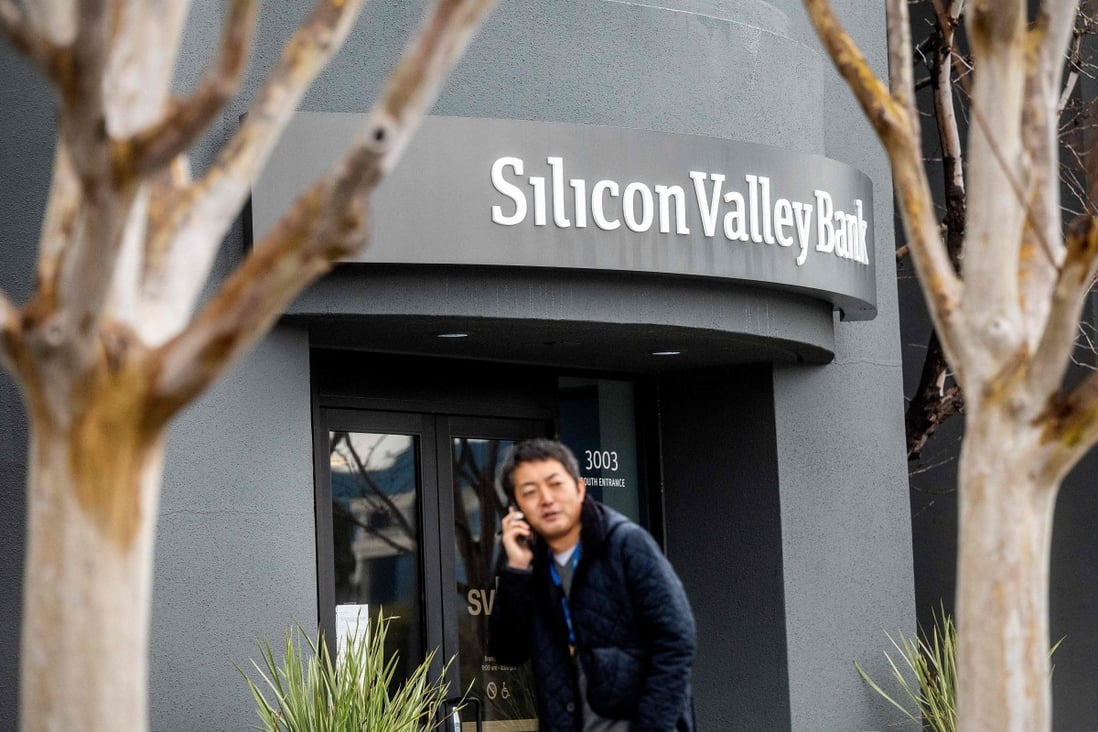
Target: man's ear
(581, 488)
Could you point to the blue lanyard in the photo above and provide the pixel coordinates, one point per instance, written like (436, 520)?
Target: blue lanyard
(564, 598)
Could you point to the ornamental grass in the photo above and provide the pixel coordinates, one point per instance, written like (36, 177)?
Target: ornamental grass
(310, 693)
(933, 662)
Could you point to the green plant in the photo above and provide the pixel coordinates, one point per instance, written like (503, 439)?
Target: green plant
(310, 693)
(933, 661)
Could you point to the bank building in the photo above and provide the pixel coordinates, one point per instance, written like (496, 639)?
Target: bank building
(661, 231)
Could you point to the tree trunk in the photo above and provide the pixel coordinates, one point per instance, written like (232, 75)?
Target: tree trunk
(88, 582)
(1002, 582)
(110, 346)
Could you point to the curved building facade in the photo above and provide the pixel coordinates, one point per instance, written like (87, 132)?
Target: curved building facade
(660, 230)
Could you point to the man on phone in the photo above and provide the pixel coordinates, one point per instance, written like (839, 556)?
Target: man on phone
(588, 596)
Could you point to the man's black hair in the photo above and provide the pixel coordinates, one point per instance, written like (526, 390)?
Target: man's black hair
(534, 451)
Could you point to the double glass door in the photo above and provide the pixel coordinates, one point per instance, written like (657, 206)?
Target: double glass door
(408, 518)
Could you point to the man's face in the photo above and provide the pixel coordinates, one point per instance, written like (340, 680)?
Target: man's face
(549, 498)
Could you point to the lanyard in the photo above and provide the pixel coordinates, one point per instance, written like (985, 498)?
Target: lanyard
(563, 597)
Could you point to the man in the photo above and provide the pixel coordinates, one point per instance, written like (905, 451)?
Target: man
(588, 596)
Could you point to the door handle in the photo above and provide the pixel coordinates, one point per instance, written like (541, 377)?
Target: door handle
(456, 704)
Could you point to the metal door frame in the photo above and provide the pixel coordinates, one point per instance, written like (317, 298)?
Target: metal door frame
(436, 511)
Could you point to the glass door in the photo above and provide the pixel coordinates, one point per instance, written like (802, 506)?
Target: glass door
(408, 510)
(377, 543)
(476, 449)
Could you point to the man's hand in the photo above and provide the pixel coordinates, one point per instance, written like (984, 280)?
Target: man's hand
(518, 537)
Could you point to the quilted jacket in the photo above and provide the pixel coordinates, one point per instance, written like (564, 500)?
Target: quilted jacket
(634, 630)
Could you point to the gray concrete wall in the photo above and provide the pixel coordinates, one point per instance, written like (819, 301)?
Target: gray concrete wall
(845, 515)
(738, 69)
(724, 537)
(13, 471)
(236, 546)
(26, 119)
(1073, 602)
(1074, 576)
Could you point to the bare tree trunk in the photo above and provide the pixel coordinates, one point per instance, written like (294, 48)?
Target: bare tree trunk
(116, 339)
(1002, 581)
(1007, 327)
(933, 402)
(87, 590)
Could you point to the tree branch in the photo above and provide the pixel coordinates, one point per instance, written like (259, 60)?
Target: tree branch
(901, 83)
(58, 229)
(144, 39)
(387, 502)
(888, 117)
(86, 214)
(897, 133)
(933, 402)
(290, 256)
(1075, 62)
(949, 134)
(185, 120)
(36, 48)
(185, 241)
(1070, 428)
(416, 81)
(89, 264)
(57, 19)
(1076, 275)
(380, 534)
(326, 223)
(144, 53)
(997, 33)
(9, 326)
(1037, 273)
(83, 122)
(1055, 24)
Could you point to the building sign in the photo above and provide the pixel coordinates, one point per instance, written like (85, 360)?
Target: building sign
(749, 217)
(539, 194)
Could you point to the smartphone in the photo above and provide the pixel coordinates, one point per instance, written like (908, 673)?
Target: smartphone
(530, 540)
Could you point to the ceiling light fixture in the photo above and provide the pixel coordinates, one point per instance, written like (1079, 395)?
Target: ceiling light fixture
(666, 353)
(452, 335)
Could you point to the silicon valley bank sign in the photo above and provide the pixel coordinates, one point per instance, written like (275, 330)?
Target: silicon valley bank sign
(534, 194)
(751, 215)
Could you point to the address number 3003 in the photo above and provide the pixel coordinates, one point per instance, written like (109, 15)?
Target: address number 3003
(600, 460)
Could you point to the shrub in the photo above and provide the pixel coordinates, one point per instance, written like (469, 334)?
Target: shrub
(933, 661)
(310, 693)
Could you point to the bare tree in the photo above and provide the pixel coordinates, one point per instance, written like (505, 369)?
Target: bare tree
(937, 396)
(113, 343)
(941, 50)
(1007, 324)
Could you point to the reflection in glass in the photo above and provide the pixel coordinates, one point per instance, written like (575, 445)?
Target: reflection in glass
(479, 504)
(375, 496)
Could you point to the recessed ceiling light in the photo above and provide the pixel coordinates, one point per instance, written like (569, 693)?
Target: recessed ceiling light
(666, 353)
(452, 335)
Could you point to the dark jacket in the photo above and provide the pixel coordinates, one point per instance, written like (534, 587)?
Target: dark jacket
(634, 630)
